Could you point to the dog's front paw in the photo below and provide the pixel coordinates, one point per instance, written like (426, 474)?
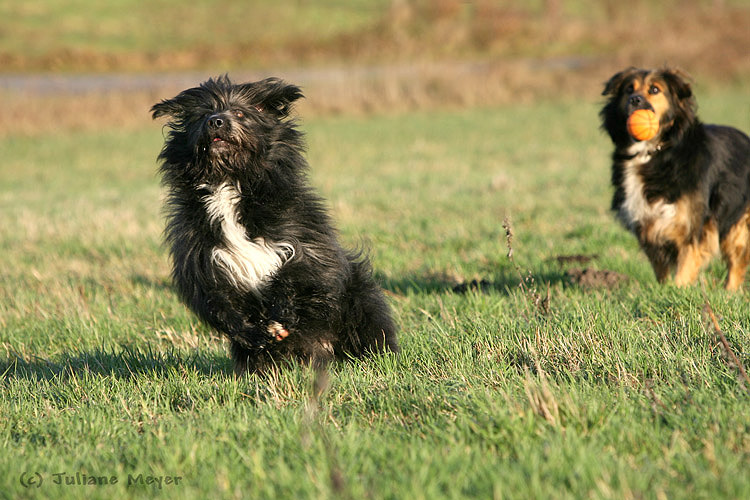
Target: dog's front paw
(277, 331)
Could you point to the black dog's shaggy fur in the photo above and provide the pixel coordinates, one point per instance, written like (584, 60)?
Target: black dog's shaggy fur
(253, 250)
(686, 192)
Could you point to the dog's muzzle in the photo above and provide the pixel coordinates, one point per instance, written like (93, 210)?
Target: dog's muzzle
(218, 127)
(637, 101)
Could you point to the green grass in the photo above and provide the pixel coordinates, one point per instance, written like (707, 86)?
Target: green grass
(133, 26)
(610, 393)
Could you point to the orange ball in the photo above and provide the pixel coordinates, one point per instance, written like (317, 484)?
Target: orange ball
(643, 124)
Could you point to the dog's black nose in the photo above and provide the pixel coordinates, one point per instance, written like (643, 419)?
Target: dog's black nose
(636, 100)
(216, 121)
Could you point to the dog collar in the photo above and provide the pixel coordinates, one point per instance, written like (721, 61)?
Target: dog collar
(626, 155)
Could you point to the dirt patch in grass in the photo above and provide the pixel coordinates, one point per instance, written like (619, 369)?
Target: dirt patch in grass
(588, 277)
(595, 278)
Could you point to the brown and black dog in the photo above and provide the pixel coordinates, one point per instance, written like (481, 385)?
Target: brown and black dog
(684, 193)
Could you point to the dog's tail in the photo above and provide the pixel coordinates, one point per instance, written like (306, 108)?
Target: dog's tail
(368, 324)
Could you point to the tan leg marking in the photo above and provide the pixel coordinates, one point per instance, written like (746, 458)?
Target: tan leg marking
(735, 248)
(693, 256)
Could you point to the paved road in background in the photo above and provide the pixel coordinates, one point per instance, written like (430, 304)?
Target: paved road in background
(59, 83)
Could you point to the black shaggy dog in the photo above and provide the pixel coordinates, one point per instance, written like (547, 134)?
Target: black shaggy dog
(685, 193)
(253, 250)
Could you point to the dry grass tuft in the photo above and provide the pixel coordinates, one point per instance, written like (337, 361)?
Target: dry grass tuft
(729, 355)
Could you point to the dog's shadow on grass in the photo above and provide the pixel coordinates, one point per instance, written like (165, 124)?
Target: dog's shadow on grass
(124, 363)
(559, 270)
(502, 283)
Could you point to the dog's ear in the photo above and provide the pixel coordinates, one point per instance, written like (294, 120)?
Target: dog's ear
(188, 101)
(682, 94)
(275, 96)
(166, 107)
(678, 82)
(612, 87)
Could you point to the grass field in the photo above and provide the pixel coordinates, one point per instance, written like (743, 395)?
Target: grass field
(605, 392)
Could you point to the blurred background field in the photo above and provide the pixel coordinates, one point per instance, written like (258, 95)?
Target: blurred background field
(79, 64)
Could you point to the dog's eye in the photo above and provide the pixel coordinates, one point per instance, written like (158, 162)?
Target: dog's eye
(239, 114)
(629, 89)
(653, 90)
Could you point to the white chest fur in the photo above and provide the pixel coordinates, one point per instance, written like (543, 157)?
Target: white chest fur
(636, 209)
(246, 262)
